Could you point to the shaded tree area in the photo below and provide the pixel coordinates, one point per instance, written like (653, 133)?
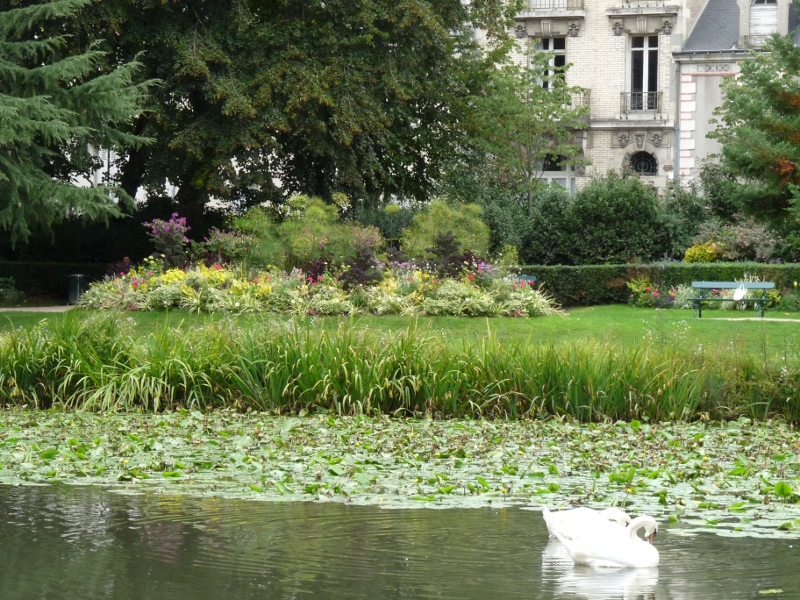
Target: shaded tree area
(263, 100)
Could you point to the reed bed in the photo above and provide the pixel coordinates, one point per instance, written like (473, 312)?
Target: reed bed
(95, 364)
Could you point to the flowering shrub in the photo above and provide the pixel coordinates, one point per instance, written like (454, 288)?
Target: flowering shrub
(169, 238)
(643, 293)
(744, 240)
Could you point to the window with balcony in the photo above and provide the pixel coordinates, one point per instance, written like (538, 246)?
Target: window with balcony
(644, 73)
(557, 45)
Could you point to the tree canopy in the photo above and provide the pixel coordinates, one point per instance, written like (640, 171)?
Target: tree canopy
(54, 105)
(262, 100)
(527, 117)
(758, 125)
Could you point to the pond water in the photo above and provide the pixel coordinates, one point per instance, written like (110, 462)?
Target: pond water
(76, 542)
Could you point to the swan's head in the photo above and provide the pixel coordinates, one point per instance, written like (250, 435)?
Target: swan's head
(616, 515)
(650, 529)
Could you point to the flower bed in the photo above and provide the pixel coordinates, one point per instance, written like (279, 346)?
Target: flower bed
(403, 290)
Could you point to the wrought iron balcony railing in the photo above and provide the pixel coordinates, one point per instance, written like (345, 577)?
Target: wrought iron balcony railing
(644, 3)
(638, 102)
(579, 99)
(555, 4)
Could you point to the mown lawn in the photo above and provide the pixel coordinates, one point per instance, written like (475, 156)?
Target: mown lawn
(718, 331)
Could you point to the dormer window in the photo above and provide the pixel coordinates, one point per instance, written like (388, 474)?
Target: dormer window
(763, 21)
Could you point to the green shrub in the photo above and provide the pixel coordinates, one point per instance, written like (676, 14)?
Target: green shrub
(683, 211)
(266, 247)
(391, 221)
(702, 253)
(9, 293)
(616, 219)
(548, 235)
(463, 220)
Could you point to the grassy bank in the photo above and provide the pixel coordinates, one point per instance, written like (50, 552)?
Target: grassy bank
(105, 363)
(739, 478)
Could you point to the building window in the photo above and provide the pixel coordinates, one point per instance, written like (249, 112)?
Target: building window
(558, 46)
(644, 163)
(763, 21)
(555, 170)
(644, 72)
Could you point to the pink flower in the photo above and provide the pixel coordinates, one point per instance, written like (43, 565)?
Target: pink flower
(656, 294)
(410, 279)
(647, 289)
(471, 277)
(218, 268)
(150, 273)
(435, 281)
(480, 271)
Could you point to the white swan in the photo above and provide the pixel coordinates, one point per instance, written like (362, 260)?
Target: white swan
(608, 545)
(582, 518)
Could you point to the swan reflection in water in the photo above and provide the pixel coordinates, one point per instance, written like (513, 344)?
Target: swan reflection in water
(595, 583)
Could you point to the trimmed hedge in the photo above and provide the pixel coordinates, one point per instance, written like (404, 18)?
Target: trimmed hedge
(606, 284)
(48, 279)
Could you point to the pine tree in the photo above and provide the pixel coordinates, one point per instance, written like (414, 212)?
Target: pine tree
(758, 126)
(55, 106)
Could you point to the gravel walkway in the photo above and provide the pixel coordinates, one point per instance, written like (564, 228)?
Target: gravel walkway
(42, 309)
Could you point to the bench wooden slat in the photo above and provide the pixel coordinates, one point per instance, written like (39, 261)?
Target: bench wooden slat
(727, 285)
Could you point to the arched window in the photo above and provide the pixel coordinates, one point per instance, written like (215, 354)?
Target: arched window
(644, 163)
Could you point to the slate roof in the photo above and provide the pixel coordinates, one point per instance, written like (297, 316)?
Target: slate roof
(716, 29)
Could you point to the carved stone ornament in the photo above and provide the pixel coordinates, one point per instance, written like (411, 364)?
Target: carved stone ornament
(573, 30)
(639, 137)
(521, 31)
(580, 170)
(656, 139)
(617, 28)
(666, 28)
(624, 139)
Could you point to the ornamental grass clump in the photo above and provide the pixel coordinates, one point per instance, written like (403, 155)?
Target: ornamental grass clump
(95, 364)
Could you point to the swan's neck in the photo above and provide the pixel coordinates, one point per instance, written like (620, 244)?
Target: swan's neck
(637, 524)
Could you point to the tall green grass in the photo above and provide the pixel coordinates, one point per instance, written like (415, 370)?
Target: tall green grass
(95, 364)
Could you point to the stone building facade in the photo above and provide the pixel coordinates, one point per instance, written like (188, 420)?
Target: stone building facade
(652, 69)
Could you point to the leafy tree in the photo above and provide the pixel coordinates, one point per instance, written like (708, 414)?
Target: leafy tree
(758, 124)
(305, 96)
(528, 117)
(54, 104)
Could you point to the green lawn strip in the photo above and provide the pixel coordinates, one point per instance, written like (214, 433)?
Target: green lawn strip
(610, 323)
(737, 478)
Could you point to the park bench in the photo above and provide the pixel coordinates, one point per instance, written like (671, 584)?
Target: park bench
(704, 286)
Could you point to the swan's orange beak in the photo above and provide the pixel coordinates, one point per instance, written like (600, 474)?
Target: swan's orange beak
(651, 537)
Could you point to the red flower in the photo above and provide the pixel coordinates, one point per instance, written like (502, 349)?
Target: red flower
(218, 268)
(647, 289)
(471, 277)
